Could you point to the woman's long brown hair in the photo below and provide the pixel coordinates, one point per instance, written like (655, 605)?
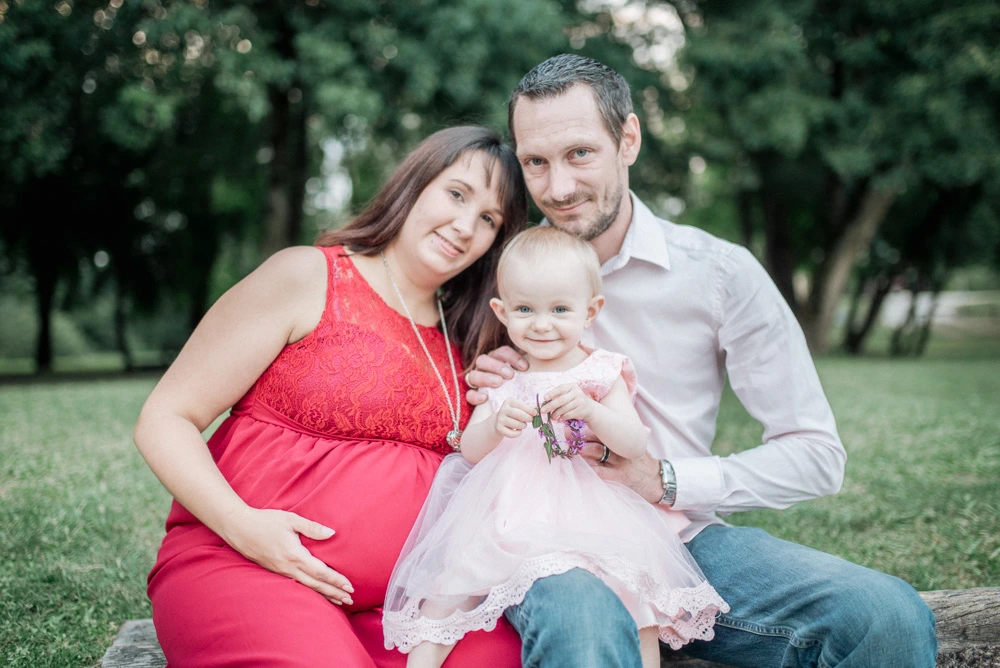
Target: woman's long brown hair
(466, 296)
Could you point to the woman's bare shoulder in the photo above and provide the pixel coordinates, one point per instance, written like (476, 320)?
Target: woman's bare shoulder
(292, 284)
(296, 266)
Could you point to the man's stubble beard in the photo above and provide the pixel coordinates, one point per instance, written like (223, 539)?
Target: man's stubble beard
(603, 221)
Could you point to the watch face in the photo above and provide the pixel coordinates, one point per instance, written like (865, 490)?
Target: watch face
(669, 481)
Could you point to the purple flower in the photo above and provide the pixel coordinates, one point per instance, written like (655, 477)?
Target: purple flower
(575, 442)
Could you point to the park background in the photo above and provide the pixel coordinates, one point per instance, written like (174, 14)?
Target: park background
(153, 152)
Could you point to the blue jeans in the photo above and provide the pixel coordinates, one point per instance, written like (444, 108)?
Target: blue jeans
(790, 606)
(574, 621)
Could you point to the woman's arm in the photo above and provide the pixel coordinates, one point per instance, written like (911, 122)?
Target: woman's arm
(613, 420)
(279, 303)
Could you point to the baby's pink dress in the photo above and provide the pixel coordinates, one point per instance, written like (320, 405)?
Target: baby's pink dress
(487, 532)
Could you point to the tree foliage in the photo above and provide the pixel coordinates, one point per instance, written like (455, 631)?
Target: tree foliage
(144, 138)
(144, 134)
(828, 113)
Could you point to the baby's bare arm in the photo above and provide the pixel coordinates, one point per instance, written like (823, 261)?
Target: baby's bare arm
(486, 429)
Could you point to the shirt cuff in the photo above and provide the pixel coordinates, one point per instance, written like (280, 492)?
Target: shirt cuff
(699, 483)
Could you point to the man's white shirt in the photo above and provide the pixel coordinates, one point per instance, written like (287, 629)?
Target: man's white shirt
(690, 308)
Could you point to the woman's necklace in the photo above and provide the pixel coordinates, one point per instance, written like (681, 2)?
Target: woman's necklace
(455, 435)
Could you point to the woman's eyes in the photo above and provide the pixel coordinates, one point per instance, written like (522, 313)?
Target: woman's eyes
(459, 197)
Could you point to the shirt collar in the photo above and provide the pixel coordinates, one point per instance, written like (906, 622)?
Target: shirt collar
(644, 240)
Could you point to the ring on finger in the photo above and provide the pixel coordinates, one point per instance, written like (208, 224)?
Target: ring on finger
(604, 455)
(469, 384)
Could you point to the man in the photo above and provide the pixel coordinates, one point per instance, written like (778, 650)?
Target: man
(690, 309)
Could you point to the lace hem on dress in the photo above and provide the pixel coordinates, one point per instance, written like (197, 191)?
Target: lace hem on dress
(690, 612)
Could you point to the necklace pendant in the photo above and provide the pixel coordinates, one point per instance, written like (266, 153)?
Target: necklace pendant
(454, 439)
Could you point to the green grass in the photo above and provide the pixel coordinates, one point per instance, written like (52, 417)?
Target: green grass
(80, 519)
(921, 498)
(81, 515)
(91, 361)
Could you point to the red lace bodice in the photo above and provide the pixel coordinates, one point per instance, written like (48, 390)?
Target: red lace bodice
(361, 373)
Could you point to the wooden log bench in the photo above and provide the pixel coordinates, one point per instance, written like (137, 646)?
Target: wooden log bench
(968, 628)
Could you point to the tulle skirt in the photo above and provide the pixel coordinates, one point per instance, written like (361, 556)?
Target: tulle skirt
(487, 532)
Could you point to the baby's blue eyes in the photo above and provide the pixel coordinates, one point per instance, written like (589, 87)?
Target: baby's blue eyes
(527, 309)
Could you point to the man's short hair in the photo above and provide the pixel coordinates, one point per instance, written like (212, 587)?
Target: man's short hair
(560, 73)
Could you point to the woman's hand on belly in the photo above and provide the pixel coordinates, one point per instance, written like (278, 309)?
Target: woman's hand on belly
(270, 538)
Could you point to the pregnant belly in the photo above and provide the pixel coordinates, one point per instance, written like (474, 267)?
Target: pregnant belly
(372, 510)
(368, 492)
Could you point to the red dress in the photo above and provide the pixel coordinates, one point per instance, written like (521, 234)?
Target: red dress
(346, 427)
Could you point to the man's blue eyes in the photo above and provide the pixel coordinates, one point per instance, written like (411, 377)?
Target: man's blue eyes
(576, 153)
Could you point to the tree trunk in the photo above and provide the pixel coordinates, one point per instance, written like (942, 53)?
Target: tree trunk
(967, 625)
(852, 314)
(45, 288)
(901, 343)
(920, 346)
(937, 284)
(854, 339)
(778, 253)
(286, 173)
(121, 322)
(277, 217)
(203, 260)
(832, 274)
(298, 171)
(744, 204)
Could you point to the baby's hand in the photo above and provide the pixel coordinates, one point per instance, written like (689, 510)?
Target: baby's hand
(568, 402)
(512, 418)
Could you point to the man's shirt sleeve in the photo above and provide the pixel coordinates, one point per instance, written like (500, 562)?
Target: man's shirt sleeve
(771, 371)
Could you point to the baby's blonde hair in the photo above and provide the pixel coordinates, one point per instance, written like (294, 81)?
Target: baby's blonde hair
(535, 246)
(540, 244)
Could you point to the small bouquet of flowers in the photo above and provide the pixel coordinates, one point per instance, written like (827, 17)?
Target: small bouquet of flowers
(553, 446)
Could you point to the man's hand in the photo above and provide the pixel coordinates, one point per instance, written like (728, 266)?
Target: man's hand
(491, 371)
(641, 474)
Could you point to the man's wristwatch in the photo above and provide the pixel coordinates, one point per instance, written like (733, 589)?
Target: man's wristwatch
(669, 480)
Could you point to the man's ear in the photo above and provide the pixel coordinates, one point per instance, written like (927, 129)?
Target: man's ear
(631, 140)
(498, 308)
(593, 308)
